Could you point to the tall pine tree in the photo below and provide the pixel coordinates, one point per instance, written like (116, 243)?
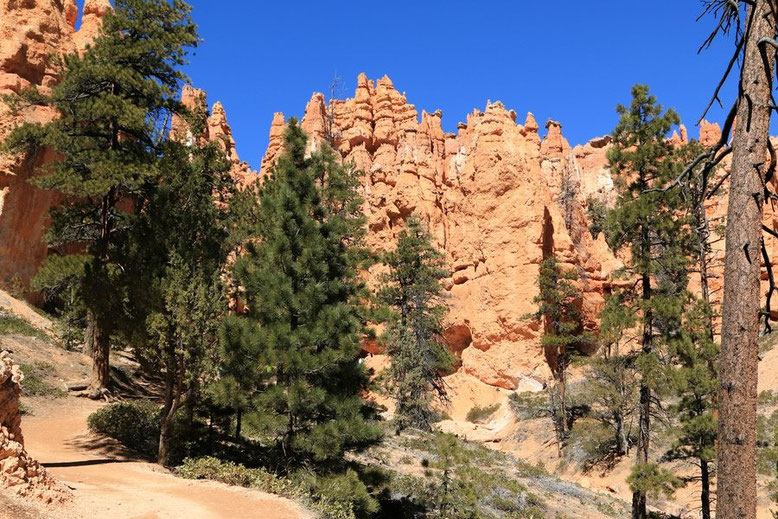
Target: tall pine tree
(643, 221)
(113, 102)
(303, 324)
(414, 336)
(559, 303)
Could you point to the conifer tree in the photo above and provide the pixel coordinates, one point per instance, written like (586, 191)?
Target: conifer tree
(559, 306)
(695, 381)
(414, 337)
(113, 103)
(643, 220)
(179, 246)
(303, 297)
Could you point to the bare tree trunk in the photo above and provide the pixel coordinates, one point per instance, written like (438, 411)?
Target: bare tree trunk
(89, 333)
(740, 312)
(621, 436)
(705, 493)
(168, 413)
(644, 420)
(101, 351)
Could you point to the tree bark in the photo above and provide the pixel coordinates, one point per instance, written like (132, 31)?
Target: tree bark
(644, 420)
(621, 436)
(736, 492)
(705, 493)
(168, 413)
(101, 351)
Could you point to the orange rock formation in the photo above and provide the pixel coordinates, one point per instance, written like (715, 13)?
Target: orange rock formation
(19, 473)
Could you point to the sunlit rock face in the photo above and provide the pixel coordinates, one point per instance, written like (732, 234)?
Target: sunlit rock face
(32, 34)
(497, 198)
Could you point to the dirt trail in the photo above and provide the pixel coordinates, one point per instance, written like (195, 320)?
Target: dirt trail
(107, 484)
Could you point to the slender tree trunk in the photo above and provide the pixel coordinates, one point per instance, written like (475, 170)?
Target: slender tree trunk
(705, 492)
(563, 393)
(101, 351)
(89, 333)
(238, 423)
(740, 312)
(621, 436)
(172, 399)
(644, 419)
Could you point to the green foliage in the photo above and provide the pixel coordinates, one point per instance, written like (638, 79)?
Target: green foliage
(479, 414)
(413, 295)
(529, 405)
(695, 381)
(340, 496)
(114, 102)
(134, 424)
(58, 279)
(12, 325)
(597, 212)
(35, 380)
(652, 480)
(304, 321)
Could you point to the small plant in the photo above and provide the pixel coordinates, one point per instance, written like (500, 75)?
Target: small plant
(12, 325)
(480, 414)
(34, 383)
(134, 424)
(335, 496)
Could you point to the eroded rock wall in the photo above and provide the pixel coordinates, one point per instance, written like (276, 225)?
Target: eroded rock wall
(19, 473)
(497, 198)
(32, 34)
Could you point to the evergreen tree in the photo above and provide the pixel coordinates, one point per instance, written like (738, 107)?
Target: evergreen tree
(611, 381)
(414, 336)
(113, 103)
(695, 381)
(179, 246)
(644, 221)
(559, 303)
(303, 296)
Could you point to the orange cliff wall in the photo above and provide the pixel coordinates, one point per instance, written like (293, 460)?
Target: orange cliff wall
(32, 33)
(490, 194)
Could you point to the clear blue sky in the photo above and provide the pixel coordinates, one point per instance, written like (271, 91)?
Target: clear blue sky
(567, 60)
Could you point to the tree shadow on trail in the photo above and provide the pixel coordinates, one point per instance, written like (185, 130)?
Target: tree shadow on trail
(84, 463)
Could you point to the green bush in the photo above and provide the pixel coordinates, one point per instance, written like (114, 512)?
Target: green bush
(134, 424)
(335, 496)
(479, 414)
(12, 325)
(34, 383)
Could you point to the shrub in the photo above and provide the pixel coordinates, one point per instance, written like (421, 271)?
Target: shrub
(334, 496)
(34, 383)
(12, 325)
(479, 414)
(134, 424)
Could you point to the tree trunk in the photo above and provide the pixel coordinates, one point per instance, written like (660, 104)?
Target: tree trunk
(705, 492)
(644, 419)
(101, 351)
(563, 393)
(238, 424)
(621, 436)
(736, 492)
(168, 413)
(89, 333)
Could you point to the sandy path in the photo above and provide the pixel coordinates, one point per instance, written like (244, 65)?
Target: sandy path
(109, 485)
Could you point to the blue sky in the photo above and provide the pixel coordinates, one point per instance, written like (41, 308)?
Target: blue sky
(566, 60)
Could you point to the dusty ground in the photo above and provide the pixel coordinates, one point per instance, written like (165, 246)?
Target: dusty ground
(107, 483)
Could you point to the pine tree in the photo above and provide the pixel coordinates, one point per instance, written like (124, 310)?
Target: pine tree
(178, 248)
(643, 220)
(414, 336)
(559, 303)
(303, 298)
(611, 380)
(695, 381)
(113, 103)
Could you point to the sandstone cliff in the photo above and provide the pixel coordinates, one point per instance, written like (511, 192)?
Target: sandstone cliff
(32, 34)
(497, 198)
